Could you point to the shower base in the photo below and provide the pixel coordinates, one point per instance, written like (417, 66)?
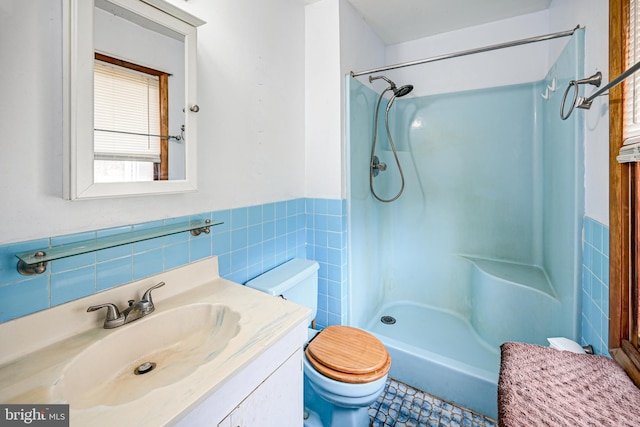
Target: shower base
(438, 351)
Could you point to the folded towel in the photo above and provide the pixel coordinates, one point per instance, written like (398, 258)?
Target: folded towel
(541, 386)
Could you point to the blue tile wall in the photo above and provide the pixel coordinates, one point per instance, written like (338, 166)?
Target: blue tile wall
(251, 241)
(595, 286)
(326, 228)
(257, 238)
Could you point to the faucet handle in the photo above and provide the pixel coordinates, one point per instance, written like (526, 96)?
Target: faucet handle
(147, 294)
(112, 310)
(114, 317)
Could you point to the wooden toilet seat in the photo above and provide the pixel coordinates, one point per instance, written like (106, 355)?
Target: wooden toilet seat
(349, 355)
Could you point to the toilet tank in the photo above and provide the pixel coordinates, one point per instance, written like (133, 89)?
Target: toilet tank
(295, 280)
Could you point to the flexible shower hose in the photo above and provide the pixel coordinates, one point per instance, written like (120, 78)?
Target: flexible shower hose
(393, 148)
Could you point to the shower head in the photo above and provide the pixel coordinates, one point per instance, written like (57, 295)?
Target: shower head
(397, 91)
(402, 90)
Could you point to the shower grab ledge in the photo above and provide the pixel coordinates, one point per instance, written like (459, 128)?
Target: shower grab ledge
(526, 275)
(35, 262)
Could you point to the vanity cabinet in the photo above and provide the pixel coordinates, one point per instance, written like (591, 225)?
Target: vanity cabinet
(267, 392)
(277, 402)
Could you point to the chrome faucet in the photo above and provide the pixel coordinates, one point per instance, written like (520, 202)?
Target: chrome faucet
(135, 311)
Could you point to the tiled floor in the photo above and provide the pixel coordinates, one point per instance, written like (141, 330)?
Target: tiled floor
(402, 406)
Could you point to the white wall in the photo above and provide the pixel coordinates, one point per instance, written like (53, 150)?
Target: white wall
(501, 67)
(323, 100)
(251, 135)
(594, 15)
(338, 41)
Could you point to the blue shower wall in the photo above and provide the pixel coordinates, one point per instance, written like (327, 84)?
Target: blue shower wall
(489, 224)
(563, 186)
(251, 241)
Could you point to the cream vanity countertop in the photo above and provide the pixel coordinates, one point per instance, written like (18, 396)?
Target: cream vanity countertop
(36, 348)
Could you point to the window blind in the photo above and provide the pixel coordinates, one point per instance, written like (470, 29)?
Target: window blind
(126, 114)
(630, 151)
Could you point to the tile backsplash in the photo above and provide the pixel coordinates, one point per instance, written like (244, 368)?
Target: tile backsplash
(250, 241)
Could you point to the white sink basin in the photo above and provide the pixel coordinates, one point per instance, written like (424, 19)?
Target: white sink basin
(177, 341)
(212, 340)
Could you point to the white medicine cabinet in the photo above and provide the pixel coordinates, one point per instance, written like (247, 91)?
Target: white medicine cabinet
(146, 35)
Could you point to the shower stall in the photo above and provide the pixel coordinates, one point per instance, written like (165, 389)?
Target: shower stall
(484, 244)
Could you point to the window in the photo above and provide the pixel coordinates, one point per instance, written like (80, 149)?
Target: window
(130, 114)
(624, 199)
(631, 87)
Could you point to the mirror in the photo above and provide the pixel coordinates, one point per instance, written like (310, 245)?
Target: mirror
(129, 99)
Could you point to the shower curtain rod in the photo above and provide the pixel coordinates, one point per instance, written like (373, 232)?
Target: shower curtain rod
(469, 52)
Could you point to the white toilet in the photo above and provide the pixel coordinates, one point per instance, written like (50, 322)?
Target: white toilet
(345, 368)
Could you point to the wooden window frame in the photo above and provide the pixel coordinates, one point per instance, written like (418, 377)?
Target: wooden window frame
(624, 212)
(161, 170)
